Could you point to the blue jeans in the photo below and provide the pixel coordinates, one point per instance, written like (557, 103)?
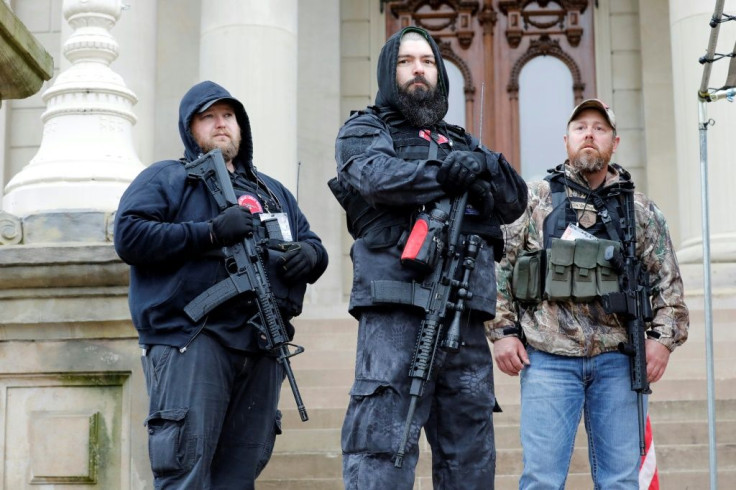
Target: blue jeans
(555, 392)
(213, 415)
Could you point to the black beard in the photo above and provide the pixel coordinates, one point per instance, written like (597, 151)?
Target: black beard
(423, 108)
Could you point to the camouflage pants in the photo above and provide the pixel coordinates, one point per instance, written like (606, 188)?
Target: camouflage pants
(455, 410)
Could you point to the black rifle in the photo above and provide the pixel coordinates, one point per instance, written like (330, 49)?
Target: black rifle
(634, 306)
(443, 287)
(246, 275)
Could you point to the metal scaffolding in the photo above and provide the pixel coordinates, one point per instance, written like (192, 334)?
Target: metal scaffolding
(705, 96)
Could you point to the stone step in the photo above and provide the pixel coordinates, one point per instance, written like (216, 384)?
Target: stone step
(321, 341)
(308, 439)
(340, 379)
(695, 480)
(685, 410)
(679, 367)
(662, 413)
(319, 418)
(295, 466)
(668, 388)
(680, 480)
(307, 456)
(337, 359)
(306, 326)
(304, 483)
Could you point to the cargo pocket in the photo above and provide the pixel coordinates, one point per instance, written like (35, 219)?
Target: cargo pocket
(370, 421)
(170, 448)
(607, 274)
(558, 284)
(269, 444)
(527, 277)
(584, 287)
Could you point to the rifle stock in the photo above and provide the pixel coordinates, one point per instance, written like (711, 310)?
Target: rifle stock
(246, 274)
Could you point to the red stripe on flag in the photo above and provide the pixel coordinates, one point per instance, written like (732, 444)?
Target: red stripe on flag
(648, 477)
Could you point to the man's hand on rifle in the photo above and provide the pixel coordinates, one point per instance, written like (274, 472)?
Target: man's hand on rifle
(459, 170)
(298, 262)
(479, 195)
(232, 225)
(657, 358)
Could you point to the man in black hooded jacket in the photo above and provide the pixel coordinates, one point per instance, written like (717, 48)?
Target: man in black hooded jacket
(213, 388)
(394, 159)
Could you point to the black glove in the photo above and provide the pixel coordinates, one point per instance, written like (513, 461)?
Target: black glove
(459, 170)
(296, 264)
(481, 198)
(232, 225)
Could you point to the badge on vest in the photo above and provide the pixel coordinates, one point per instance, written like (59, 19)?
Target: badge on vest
(282, 220)
(573, 232)
(586, 216)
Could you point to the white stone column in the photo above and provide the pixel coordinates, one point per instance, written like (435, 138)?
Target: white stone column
(86, 158)
(250, 48)
(690, 33)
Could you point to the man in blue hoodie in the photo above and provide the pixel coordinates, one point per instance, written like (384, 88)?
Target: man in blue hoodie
(394, 160)
(213, 387)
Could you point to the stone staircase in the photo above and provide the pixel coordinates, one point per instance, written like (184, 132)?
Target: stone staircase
(307, 455)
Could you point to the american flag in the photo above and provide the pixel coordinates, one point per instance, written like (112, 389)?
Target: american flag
(648, 477)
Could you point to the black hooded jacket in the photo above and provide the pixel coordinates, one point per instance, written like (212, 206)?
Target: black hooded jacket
(162, 231)
(388, 90)
(393, 178)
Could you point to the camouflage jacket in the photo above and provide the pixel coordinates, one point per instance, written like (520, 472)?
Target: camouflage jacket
(585, 329)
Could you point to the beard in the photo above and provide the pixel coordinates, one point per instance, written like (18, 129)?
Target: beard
(590, 162)
(424, 106)
(229, 148)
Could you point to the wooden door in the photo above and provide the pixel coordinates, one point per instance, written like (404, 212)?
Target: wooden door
(490, 42)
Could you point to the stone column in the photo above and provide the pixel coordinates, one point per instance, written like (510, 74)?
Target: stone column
(86, 159)
(690, 33)
(250, 48)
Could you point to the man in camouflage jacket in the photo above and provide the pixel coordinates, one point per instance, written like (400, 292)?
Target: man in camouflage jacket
(567, 351)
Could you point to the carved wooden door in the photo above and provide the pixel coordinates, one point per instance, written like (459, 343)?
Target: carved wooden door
(490, 43)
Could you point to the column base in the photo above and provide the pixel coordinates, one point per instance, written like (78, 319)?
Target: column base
(73, 226)
(722, 279)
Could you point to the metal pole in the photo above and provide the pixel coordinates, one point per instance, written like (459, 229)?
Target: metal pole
(703, 127)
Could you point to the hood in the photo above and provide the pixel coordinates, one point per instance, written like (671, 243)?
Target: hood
(206, 93)
(388, 92)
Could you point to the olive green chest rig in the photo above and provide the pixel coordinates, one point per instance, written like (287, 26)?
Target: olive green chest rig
(575, 268)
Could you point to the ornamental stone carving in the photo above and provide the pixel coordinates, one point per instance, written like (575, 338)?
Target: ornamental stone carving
(548, 17)
(442, 18)
(86, 158)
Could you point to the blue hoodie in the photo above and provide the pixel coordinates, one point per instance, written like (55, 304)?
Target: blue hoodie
(162, 231)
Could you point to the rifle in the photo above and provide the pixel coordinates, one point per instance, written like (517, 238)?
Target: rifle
(442, 285)
(633, 304)
(246, 275)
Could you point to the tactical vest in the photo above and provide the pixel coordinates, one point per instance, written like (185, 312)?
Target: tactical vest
(606, 202)
(384, 226)
(579, 269)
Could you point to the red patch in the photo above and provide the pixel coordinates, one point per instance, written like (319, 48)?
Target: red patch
(426, 134)
(251, 202)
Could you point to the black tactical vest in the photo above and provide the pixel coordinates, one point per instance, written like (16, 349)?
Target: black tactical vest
(383, 227)
(607, 203)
